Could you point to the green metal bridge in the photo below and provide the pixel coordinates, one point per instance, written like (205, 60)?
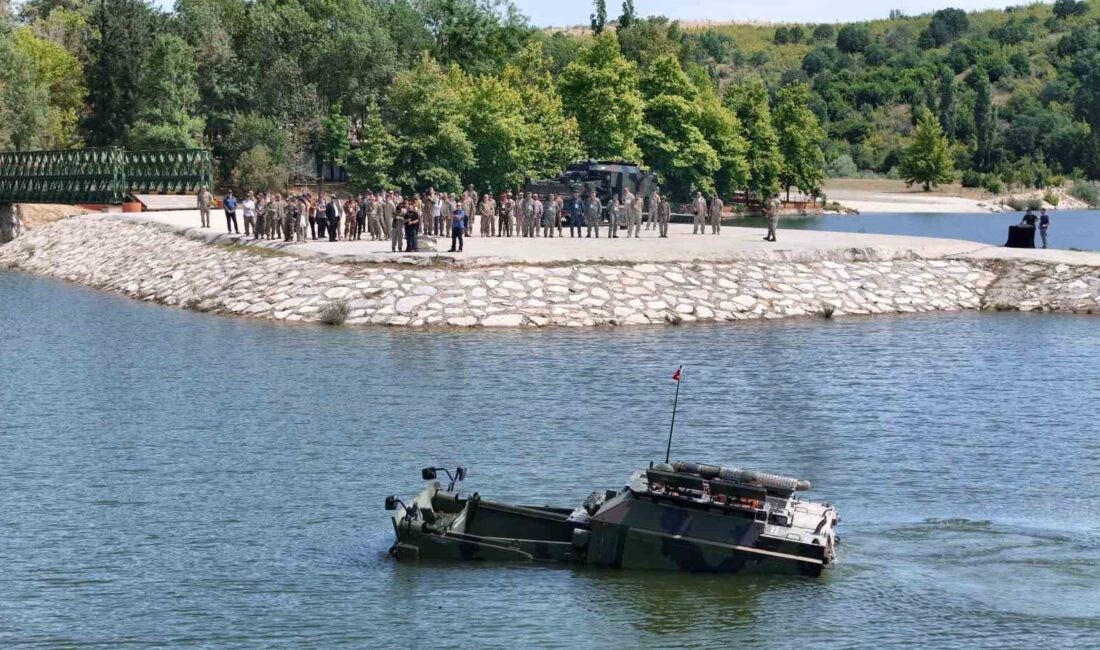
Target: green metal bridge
(100, 176)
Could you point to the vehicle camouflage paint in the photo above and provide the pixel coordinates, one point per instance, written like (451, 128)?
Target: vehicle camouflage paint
(679, 516)
(607, 178)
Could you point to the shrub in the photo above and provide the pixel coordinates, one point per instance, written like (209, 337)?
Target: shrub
(993, 185)
(842, 167)
(1017, 204)
(1087, 192)
(335, 312)
(256, 170)
(1034, 203)
(971, 178)
(1051, 197)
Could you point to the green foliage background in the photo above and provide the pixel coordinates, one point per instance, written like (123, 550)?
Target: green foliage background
(412, 93)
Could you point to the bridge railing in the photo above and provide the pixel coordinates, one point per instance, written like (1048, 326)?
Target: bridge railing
(103, 176)
(68, 176)
(172, 171)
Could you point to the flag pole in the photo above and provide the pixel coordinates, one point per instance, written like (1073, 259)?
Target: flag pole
(675, 401)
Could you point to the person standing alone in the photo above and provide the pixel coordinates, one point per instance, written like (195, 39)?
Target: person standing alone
(771, 209)
(204, 199)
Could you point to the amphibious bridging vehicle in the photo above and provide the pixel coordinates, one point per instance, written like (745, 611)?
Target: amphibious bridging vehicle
(680, 516)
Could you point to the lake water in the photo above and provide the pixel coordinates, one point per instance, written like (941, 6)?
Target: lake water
(1069, 229)
(174, 479)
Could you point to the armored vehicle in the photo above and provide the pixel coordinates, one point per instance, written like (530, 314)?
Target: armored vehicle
(679, 516)
(607, 178)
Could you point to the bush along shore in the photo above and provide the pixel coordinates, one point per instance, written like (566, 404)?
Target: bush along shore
(149, 263)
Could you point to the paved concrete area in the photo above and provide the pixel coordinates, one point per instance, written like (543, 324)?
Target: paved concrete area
(158, 202)
(733, 244)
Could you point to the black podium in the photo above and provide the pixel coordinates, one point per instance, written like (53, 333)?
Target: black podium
(1021, 237)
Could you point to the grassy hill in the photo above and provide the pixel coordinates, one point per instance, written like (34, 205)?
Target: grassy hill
(1035, 122)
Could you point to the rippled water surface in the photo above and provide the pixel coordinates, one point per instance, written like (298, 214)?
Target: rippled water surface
(176, 479)
(1069, 229)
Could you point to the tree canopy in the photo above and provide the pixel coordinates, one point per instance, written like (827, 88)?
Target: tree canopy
(452, 92)
(927, 160)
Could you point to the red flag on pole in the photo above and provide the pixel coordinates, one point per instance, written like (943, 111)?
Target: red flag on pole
(676, 375)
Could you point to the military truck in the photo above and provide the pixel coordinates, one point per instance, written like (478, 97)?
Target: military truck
(606, 177)
(677, 516)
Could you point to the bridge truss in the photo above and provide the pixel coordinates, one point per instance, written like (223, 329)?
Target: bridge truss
(100, 176)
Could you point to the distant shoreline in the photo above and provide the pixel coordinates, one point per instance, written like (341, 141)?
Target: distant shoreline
(892, 196)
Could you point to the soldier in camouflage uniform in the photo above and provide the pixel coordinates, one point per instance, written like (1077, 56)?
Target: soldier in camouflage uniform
(716, 207)
(664, 214)
(517, 215)
(771, 209)
(636, 218)
(427, 207)
(274, 217)
(592, 211)
(487, 209)
(469, 204)
(654, 198)
(550, 217)
(290, 219)
(204, 201)
(699, 212)
(388, 208)
(504, 215)
(529, 215)
(613, 211)
(260, 230)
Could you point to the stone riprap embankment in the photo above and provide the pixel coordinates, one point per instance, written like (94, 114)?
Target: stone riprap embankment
(147, 262)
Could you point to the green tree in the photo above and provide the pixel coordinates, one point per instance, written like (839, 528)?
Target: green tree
(600, 90)
(210, 28)
(427, 108)
(119, 38)
(676, 148)
(824, 33)
(257, 169)
(478, 35)
(331, 142)
(928, 160)
(946, 26)
(628, 17)
(168, 94)
(947, 101)
(984, 122)
(501, 139)
(552, 137)
(60, 74)
(249, 130)
(599, 18)
(853, 39)
(1064, 9)
(800, 140)
(722, 131)
(1087, 66)
(748, 99)
(24, 104)
(370, 164)
(665, 76)
(649, 38)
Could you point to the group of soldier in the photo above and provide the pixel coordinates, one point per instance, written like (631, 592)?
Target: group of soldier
(387, 216)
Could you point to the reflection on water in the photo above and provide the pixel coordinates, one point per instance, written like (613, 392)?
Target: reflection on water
(1069, 229)
(169, 478)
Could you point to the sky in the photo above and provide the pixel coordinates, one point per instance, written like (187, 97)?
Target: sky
(559, 13)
